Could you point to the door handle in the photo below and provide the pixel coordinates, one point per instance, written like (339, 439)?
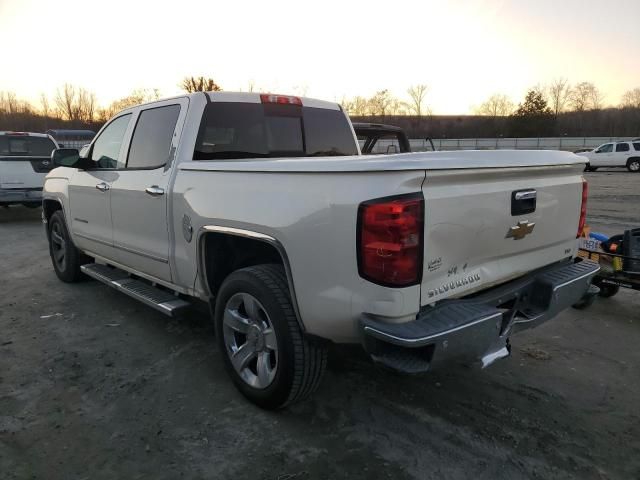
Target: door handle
(103, 187)
(154, 190)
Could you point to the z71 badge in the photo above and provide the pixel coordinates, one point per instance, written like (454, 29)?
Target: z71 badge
(454, 284)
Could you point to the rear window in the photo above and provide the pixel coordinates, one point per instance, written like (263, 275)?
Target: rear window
(255, 130)
(622, 147)
(25, 145)
(636, 146)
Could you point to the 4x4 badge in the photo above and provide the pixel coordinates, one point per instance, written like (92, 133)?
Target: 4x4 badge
(521, 230)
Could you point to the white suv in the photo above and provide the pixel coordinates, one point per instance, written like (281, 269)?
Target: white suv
(25, 159)
(614, 154)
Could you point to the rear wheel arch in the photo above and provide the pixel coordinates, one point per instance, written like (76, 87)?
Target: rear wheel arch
(223, 250)
(633, 161)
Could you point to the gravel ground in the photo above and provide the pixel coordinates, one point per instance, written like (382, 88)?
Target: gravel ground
(94, 385)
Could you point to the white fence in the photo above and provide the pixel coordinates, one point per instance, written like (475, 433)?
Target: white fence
(548, 143)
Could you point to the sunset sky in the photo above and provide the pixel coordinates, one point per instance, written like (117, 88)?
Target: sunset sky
(464, 50)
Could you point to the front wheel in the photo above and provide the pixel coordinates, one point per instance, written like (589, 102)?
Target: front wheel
(261, 342)
(66, 258)
(634, 165)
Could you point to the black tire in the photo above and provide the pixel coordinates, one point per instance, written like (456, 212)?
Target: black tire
(300, 364)
(66, 264)
(633, 165)
(587, 168)
(608, 291)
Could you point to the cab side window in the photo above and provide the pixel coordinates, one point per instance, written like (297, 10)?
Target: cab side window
(605, 148)
(106, 149)
(622, 147)
(151, 142)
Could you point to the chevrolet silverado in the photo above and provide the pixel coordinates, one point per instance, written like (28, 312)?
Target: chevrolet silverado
(263, 207)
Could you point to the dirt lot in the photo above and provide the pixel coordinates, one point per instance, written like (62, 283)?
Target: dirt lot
(94, 385)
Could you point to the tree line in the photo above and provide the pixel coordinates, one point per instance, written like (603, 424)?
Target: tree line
(76, 107)
(558, 108)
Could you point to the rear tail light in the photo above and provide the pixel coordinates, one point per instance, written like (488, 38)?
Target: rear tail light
(281, 99)
(583, 207)
(390, 240)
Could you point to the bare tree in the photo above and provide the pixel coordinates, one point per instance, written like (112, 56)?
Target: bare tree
(199, 84)
(597, 98)
(559, 92)
(76, 103)
(379, 104)
(65, 101)
(398, 107)
(497, 105)
(631, 98)
(136, 97)
(9, 103)
(357, 106)
(45, 109)
(86, 105)
(417, 94)
(585, 96)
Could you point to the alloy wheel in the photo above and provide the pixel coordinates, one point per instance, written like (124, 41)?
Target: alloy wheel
(250, 340)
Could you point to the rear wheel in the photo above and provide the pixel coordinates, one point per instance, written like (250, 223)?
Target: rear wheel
(633, 165)
(606, 290)
(66, 258)
(262, 346)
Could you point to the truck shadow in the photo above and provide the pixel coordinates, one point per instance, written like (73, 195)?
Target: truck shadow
(19, 214)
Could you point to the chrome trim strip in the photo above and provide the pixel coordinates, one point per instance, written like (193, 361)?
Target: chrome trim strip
(87, 237)
(120, 247)
(142, 254)
(413, 341)
(256, 236)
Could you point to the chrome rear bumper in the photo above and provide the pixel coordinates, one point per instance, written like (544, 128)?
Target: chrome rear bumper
(477, 328)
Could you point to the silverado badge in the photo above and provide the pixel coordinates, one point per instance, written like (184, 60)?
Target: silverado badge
(521, 230)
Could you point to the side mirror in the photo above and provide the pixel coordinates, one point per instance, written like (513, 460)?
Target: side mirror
(70, 157)
(65, 157)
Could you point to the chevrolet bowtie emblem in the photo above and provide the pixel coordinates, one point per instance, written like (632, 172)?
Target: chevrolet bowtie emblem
(521, 230)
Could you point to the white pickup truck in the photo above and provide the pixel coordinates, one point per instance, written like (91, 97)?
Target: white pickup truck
(262, 206)
(25, 159)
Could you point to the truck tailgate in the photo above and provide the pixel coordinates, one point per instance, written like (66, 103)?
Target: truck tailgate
(478, 235)
(23, 172)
